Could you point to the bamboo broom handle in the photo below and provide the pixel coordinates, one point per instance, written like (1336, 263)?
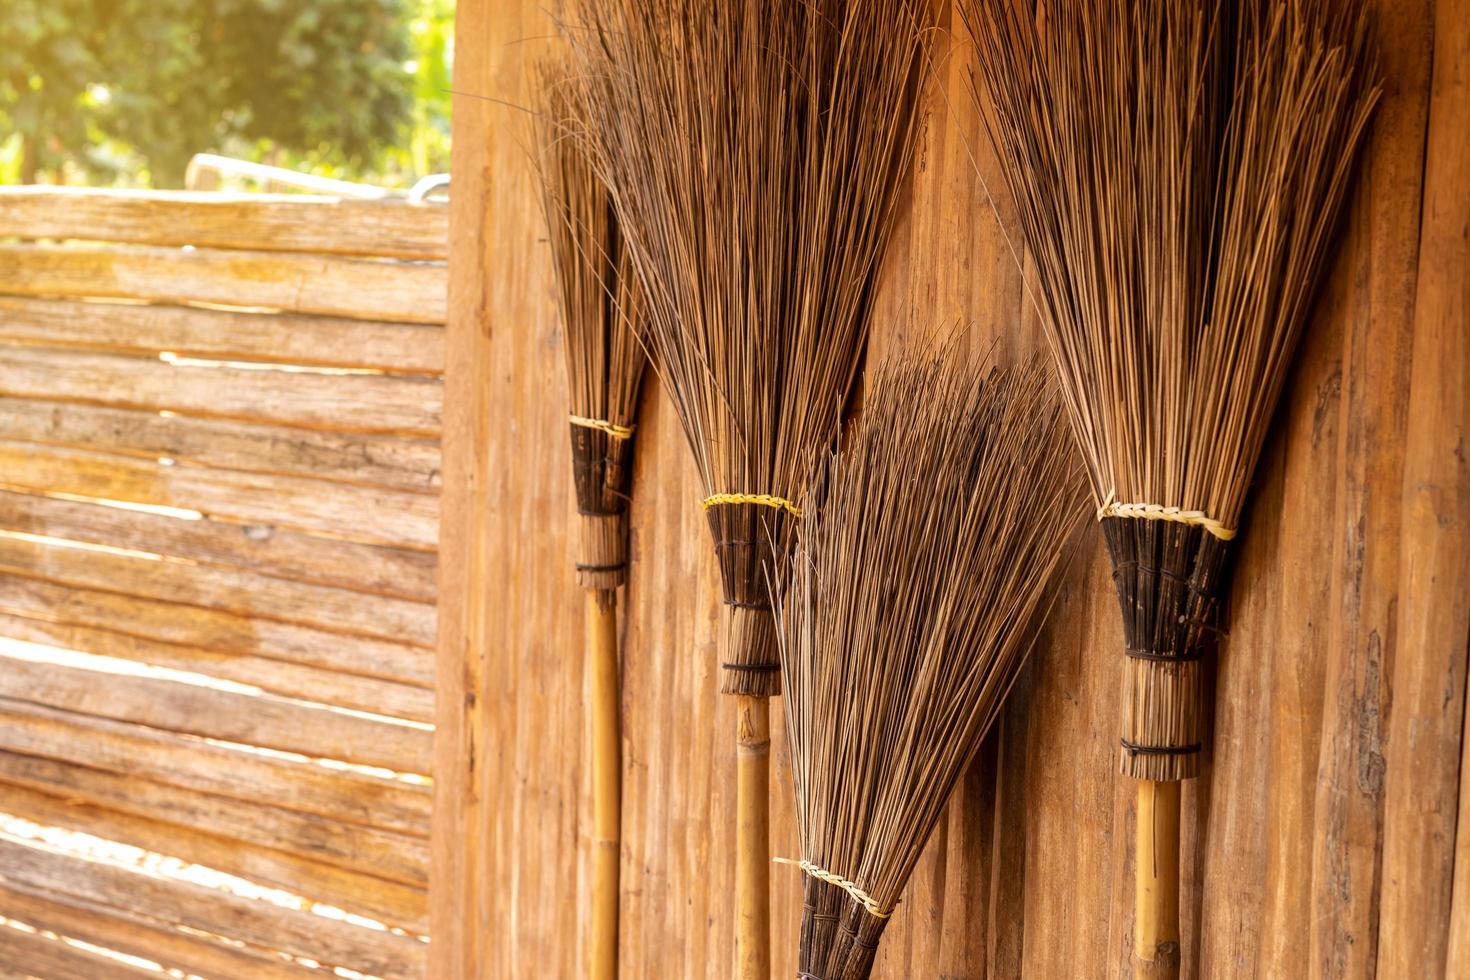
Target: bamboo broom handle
(1156, 883)
(607, 781)
(753, 838)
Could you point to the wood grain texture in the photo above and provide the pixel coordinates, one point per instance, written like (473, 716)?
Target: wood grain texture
(57, 960)
(396, 857)
(344, 403)
(259, 548)
(260, 598)
(319, 685)
(144, 753)
(1427, 792)
(385, 461)
(245, 495)
(1342, 677)
(368, 515)
(190, 709)
(325, 284)
(275, 222)
(135, 935)
(392, 903)
(299, 932)
(279, 338)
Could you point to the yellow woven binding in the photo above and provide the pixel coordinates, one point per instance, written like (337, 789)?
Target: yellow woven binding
(602, 425)
(862, 897)
(763, 499)
(1158, 512)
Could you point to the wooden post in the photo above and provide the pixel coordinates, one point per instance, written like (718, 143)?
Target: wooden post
(753, 838)
(607, 780)
(1156, 881)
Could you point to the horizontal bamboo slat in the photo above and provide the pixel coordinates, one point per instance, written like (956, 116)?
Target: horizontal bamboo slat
(211, 629)
(135, 935)
(274, 222)
(226, 335)
(300, 933)
(56, 960)
(362, 403)
(329, 285)
(286, 678)
(386, 854)
(365, 514)
(141, 753)
(392, 903)
(290, 555)
(274, 615)
(382, 461)
(184, 708)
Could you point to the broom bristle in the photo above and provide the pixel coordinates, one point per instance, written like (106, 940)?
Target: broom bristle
(598, 298)
(1178, 169)
(1178, 176)
(913, 598)
(755, 149)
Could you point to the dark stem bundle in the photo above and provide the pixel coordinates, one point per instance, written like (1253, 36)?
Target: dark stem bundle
(1179, 170)
(598, 297)
(922, 571)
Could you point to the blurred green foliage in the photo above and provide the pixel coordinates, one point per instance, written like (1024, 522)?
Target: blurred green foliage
(126, 91)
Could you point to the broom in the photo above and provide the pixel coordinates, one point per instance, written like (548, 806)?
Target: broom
(917, 586)
(1179, 169)
(755, 149)
(595, 292)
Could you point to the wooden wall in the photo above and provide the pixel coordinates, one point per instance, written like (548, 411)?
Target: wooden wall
(219, 473)
(1322, 837)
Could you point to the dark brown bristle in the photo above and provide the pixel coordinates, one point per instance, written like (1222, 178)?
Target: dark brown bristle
(755, 149)
(1178, 169)
(914, 595)
(598, 298)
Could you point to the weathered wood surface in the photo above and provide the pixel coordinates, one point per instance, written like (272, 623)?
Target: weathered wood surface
(369, 515)
(393, 856)
(248, 496)
(297, 283)
(284, 677)
(140, 753)
(345, 403)
(392, 903)
(1321, 839)
(289, 930)
(134, 935)
(273, 222)
(292, 615)
(190, 709)
(386, 461)
(265, 549)
(41, 956)
(283, 338)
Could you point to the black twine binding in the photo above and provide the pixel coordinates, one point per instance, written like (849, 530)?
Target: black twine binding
(583, 567)
(1189, 657)
(742, 604)
(762, 668)
(1135, 749)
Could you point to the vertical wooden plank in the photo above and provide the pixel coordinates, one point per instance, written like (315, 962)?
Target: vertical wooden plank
(1422, 932)
(462, 908)
(1375, 273)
